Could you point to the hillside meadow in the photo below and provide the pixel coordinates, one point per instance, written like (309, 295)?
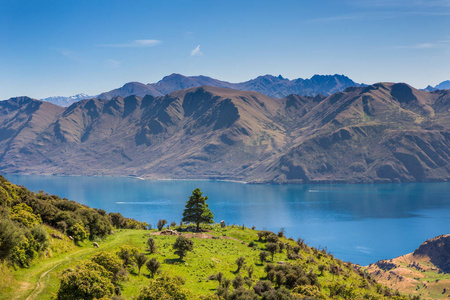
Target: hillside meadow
(71, 251)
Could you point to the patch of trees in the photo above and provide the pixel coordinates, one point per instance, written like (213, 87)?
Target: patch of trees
(102, 275)
(20, 244)
(23, 213)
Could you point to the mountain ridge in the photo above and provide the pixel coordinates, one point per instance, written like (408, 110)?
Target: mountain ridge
(386, 132)
(444, 85)
(277, 87)
(269, 85)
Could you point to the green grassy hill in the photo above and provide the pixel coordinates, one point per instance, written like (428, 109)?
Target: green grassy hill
(209, 271)
(214, 251)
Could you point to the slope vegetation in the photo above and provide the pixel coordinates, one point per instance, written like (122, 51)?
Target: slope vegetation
(425, 272)
(43, 255)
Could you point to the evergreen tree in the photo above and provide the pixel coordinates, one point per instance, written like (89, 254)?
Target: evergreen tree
(197, 210)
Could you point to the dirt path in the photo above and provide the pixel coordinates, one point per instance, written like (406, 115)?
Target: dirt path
(45, 271)
(39, 285)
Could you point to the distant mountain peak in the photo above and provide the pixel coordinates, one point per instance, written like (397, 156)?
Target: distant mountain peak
(444, 85)
(172, 76)
(269, 85)
(66, 101)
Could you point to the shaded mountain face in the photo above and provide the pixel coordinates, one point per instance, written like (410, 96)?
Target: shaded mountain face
(437, 250)
(381, 133)
(276, 87)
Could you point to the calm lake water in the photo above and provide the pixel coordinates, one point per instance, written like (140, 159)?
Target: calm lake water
(358, 223)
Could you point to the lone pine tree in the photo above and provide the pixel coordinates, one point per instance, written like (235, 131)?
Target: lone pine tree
(197, 210)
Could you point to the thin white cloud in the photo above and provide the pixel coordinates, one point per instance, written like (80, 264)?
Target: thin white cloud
(134, 44)
(112, 63)
(340, 18)
(429, 45)
(66, 52)
(418, 46)
(378, 15)
(400, 3)
(196, 51)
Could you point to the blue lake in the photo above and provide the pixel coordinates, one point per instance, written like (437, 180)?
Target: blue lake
(358, 223)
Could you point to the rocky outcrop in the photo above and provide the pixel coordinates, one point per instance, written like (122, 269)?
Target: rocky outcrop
(437, 250)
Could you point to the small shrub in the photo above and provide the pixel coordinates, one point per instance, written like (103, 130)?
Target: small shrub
(161, 224)
(240, 263)
(151, 243)
(238, 281)
(263, 256)
(140, 260)
(153, 266)
(182, 245)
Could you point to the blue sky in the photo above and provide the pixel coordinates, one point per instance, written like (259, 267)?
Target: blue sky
(65, 47)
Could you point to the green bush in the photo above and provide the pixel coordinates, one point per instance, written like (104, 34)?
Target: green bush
(111, 263)
(165, 287)
(24, 215)
(153, 266)
(78, 232)
(182, 245)
(87, 281)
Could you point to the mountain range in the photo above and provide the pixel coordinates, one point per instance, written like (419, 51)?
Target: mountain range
(444, 85)
(66, 101)
(386, 132)
(277, 87)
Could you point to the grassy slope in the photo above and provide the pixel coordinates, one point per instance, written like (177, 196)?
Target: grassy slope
(65, 255)
(210, 256)
(423, 279)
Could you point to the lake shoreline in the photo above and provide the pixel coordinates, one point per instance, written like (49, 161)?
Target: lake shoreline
(316, 182)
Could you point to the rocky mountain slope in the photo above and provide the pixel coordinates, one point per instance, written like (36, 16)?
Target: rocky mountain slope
(381, 133)
(277, 87)
(425, 272)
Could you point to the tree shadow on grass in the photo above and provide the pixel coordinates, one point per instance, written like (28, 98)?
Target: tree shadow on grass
(173, 261)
